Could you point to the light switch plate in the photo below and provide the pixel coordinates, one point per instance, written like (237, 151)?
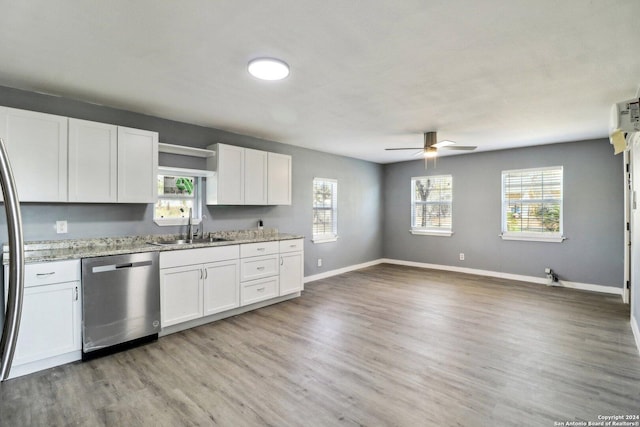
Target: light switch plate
(61, 227)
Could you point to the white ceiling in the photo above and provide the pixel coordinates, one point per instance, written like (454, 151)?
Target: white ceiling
(364, 75)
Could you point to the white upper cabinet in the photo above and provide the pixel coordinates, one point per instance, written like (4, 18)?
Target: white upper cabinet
(37, 147)
(248, 177)
(137, 165)
(279, 181)
(227, 187)
(93, 162)
(255, 177)
(60, 159)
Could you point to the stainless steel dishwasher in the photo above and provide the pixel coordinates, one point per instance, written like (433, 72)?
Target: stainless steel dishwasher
(120, 302)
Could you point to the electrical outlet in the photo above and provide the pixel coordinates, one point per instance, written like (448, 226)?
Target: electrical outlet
(461, 256)
(61, 227)
(319, 262)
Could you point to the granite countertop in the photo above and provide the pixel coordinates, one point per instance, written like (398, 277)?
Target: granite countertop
(58, 250)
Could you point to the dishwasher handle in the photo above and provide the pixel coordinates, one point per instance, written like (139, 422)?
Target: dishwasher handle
(112, 267)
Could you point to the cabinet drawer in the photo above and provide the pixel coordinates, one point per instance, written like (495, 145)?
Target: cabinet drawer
(258, 267)
(291, 245)
(259, 290)
(46, 273)
(181, 257)
(258, 249)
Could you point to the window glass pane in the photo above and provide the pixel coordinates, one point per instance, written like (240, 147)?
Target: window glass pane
(173, 208)
(325, 200)
(431, 202)
(532, 200)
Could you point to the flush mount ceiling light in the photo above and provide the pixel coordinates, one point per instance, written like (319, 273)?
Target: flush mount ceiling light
(268, 69)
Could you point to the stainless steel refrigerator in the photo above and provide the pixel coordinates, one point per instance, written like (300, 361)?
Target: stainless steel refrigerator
(15, 292)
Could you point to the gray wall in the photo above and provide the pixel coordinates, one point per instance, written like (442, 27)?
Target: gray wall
(359, 190)
(593, 214)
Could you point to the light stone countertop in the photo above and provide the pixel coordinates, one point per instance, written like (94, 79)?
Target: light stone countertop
(58, 250)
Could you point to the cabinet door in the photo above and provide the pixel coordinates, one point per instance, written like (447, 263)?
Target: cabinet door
(180, 294)
(255, 177)
(50, 324)
(279, 181)
(37, 147)
(230, 173)
(221, 286)
(291, 272)
(137, 165)
(93, 162)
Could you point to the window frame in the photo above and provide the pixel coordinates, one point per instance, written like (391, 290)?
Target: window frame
(333, 235)
(549, 237)
(430, 231)
(197, 201)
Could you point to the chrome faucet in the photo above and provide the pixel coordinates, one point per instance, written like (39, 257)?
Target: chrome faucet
(190, 226)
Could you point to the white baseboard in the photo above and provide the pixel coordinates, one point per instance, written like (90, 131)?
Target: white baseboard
(518, 277)
(330, 273)
(522, 278)
(636, 331)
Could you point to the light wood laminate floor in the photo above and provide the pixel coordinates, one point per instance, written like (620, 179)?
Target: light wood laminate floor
(386, 345)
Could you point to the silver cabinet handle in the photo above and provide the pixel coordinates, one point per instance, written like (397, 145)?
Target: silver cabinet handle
(260, 289)
(292, 246)
(45, 274)
(206, 273)
(200, 274)
(260, 249)
(260, 268)
(281, 261)
(76, 297)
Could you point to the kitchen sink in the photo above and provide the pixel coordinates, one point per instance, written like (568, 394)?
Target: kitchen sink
(189, 242)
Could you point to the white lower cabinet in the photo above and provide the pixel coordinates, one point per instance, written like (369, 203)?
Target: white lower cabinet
(181, 294)
(221, 290)
(291, 272)
(259, 272)
(189, 292)
(291, 266)
(50, 327)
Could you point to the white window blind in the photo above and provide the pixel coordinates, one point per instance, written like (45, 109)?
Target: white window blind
(431, 198)
(532, 204)
(325, 209)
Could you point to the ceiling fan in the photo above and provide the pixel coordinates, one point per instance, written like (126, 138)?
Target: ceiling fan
(432, 146)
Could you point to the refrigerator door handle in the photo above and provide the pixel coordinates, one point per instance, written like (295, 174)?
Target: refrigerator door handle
(15, 293)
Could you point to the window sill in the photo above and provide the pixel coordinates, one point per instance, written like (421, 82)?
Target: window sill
(165, 222)
(447, 233)
(533, 238)
(324, 239)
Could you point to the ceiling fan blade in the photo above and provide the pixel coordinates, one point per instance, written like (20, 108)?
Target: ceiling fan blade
(408, 148)
(442, 144)
(459, 147)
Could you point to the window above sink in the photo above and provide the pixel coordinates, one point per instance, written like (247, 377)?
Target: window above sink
(178, 191)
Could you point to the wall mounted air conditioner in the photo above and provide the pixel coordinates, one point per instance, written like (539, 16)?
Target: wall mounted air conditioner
(625, 120)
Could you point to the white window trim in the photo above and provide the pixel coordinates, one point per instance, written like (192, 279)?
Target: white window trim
(534, 237)
(165, 222)
(529, 236)
(327, 237)
(438, 232)
(321, 239)
(425, 232)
